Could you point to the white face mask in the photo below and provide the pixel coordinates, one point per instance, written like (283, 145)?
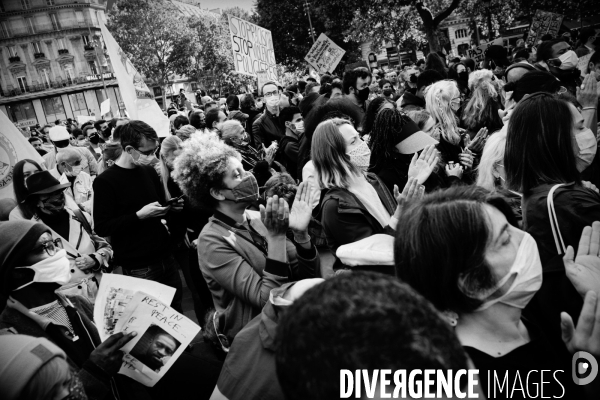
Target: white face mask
(528, 270)
(54, 269)
(587, 146)
(273, 101)
(360, 156)
(568, 60)
(75, 170)
(299, 127)
(145, 160)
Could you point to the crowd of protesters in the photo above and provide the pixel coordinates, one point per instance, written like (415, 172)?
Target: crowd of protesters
(478, 182)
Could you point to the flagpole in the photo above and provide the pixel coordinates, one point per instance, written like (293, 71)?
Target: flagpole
(100, 67)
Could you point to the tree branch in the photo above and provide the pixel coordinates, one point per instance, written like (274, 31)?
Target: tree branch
(424, 13)
(446, 13)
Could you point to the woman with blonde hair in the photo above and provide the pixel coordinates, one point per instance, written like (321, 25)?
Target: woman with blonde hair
(443, 102)
(356, 204)
(482, 109)
(491, 175)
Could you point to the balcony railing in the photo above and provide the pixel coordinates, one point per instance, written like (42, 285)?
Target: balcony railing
(45, 28)
(88, 47)
(55, 84)
(63, 51)
(39, 55)
(14, 59)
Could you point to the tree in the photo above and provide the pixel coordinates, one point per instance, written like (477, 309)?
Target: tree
(151, 34)
(289, 26)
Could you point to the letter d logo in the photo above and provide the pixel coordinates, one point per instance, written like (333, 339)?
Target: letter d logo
(584, 368)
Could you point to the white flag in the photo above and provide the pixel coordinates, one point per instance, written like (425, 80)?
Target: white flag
(14, 147)
(139, 100)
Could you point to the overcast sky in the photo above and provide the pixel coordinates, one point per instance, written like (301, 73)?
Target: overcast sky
(222, 4)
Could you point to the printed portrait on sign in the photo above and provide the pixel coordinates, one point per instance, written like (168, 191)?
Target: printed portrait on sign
(155, 348)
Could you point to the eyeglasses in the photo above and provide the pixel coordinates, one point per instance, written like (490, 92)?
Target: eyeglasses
(146, 153)
(274, 93)
(50, 246)
(222, 338)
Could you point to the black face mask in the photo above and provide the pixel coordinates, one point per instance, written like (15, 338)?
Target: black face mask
(94, 138)
(363, 94)
(463, 76)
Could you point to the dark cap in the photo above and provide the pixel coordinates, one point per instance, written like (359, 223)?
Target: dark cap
(43, 182)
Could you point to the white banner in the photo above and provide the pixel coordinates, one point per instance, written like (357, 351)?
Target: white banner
(324, 55)
(252, 48)
(139, 100)
(14, 147)
(105, 107)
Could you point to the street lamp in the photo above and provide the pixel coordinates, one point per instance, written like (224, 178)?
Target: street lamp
(488, 5)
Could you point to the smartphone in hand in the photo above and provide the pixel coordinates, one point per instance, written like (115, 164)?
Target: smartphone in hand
(173, 201)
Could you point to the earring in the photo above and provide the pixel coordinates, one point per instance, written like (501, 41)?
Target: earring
(451, 317)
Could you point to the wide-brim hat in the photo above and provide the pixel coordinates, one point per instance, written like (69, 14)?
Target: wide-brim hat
(43, 182)
(414, 140)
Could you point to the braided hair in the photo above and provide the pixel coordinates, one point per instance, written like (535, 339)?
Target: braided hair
(384, 135)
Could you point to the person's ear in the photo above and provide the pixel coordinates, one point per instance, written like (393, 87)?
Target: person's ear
(216, 193)
(288, 124)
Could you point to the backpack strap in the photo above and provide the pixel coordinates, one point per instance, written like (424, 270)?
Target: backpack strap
(558, 240)
(83, 221)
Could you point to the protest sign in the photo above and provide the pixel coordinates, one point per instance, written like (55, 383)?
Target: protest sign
(478, 53)
(82, 119)
(139, 100)
(543, 22)
(162, 335)
(263, 77)
(105, 107)
(324, 55)
(115, 292)
(252, 48)
(13, 148)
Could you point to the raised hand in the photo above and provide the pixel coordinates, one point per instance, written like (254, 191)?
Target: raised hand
(584, 270)
(476, 145)
(301, 212)
(586, 336)
(587, 94)
(421, 166)
(412, 190)
(275, 216)
(454, 170)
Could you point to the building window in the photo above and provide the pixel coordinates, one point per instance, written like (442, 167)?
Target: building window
(80, 19)
(54, 20)
(18, 112)
(12, 51)
(53, 108)
(5, 30)
(86, 40)
(70, 74)
(29, 25)
(25, 4)
(22, 81)
(93, 67)
(61, 43)
(49, 2)
(461, 33)
(45, 78)
(78, 104)
(37, 48)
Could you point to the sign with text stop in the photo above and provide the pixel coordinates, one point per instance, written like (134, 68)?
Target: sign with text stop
(252, 48)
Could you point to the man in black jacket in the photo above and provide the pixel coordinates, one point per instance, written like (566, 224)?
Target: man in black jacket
(266, 128)
(128, 200)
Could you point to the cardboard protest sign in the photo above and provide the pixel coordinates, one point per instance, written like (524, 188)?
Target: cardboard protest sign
(162, 335)
(478, 53)
(252, 48)
(105, 107)
(263, 77)
(543, 22)
(324, 55)
(115, 293)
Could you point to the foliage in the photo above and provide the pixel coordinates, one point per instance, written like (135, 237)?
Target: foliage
(150, 33)
(289, 26)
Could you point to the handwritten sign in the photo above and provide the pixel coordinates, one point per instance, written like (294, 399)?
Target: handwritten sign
(324, 55)
(583, 63)
(263, 77)
(162, 335)
(478, 53)
(543, 22)
(115, 293)
(252, 48)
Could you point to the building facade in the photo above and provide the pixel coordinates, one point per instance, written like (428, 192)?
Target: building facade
(459, 34)
(52, 61)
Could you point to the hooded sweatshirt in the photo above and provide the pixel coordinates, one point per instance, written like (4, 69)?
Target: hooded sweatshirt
(249, 369)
